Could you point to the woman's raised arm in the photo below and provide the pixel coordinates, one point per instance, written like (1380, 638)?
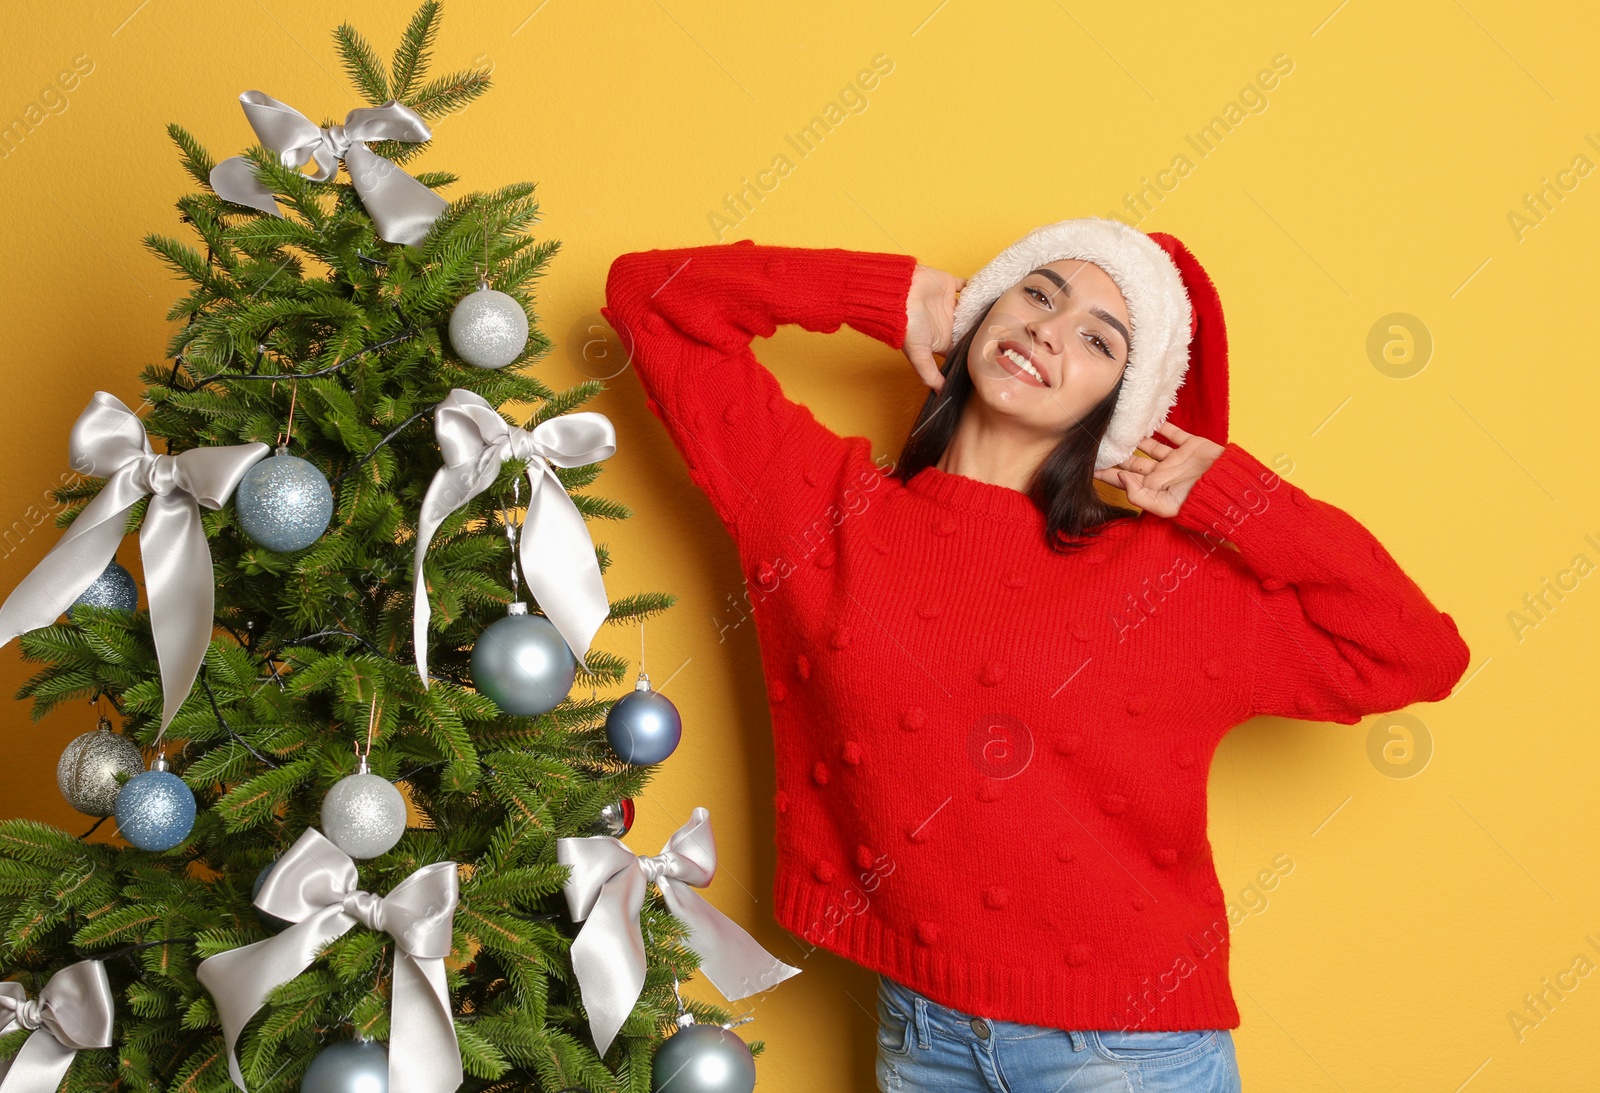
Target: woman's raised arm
(688, 317)
(1338, 630)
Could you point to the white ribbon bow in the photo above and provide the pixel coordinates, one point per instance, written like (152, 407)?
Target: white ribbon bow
(556, 551)
(606, 892)
(109, 441)
(402, 209)
(313, 886)
(73, 1012)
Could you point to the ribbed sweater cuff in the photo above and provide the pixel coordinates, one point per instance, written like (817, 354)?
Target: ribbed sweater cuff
(866, 289)
(1236, 484)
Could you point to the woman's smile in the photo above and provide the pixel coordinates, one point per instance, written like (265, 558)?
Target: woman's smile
(1016, 360)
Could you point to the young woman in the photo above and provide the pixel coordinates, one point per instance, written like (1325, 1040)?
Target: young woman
(995, 695)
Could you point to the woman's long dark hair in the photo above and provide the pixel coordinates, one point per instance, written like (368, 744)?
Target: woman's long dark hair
(1062, 487)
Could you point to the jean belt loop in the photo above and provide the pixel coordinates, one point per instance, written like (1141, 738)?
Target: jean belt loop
(921, 1021)
(1077, 1040)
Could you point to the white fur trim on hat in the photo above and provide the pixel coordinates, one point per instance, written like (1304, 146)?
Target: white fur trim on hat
(1158, 305)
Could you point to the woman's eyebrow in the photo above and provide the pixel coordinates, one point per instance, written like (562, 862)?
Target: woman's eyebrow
(1098, 312)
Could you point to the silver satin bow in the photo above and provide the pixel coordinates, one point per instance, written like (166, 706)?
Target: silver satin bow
(313, 886)
(556, 550)
(73, 1011)
(109, 441)
(402, 208)
(606, 891)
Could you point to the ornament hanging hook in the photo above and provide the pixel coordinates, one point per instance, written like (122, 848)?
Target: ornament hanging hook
(372, 719)
(288, 430)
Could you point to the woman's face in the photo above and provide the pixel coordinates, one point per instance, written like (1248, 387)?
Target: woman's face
(1067, 318)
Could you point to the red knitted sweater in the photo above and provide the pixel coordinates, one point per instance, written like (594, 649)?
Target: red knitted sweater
(992, 758)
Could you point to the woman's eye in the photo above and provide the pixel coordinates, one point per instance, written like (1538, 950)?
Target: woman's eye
(1104, 348)
(1040, 292)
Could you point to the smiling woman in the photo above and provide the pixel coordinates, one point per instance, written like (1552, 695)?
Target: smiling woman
(1014, 902)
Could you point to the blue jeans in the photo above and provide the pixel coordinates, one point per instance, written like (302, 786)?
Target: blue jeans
(923, 1046)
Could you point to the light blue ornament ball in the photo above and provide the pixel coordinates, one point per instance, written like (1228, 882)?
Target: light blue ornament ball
(284, 503)
(155, 810)
(352, 1066)
(114, 588)
(524, 664)
(488, 329)
(644, 727)
(703, 1059)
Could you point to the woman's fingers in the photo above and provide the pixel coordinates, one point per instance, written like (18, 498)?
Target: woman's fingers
(927, 368)
(1177, 435)
(1141, 464)
(1155, 447)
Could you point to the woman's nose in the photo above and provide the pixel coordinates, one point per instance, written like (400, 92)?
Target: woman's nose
(1043, 333)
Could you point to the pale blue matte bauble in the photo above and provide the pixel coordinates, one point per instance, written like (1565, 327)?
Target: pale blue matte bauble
(524, 664)
(284, 503)
(155, 810)
(113, 588)
(703, 1059)
(643, 727)
(351, 1066)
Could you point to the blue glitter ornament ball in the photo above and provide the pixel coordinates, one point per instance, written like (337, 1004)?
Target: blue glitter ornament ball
(352, 1066)
(114, 588)
(155, 810)
(284, 503)
(644, 727)
(523, 663)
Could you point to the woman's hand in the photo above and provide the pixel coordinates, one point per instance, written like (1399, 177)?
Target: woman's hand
(1159, 482)
(930, 319)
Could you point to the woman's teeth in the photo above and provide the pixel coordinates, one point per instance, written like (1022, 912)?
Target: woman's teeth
(1023, 363)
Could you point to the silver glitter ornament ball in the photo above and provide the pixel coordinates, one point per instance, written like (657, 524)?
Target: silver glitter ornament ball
(114, 588)
(644, 727)
(353, 1066)
(523, 663)
(364, 814)
(87, 772)
(488, 329)
(703, 1059)
(284, 503)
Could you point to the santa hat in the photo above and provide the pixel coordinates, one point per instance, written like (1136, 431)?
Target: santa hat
(1178, 363)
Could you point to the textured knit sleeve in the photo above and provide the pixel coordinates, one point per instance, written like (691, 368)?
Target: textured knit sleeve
(689, 315)
(1339, 631)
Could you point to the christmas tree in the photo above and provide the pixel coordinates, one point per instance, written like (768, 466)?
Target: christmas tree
(307, 328)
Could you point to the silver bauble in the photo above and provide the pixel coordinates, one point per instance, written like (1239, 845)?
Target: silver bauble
(114, 588)
(364, 814)
(643, 728)
(523, 663)
(350, 1066)
(703, 1059)
(87, 772)
(284, 503)
(488, 329)
(615, 820)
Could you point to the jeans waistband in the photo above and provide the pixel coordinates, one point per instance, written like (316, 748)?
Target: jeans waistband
(927, 1017)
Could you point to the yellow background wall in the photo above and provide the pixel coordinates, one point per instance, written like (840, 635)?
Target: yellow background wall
(1377, 176)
